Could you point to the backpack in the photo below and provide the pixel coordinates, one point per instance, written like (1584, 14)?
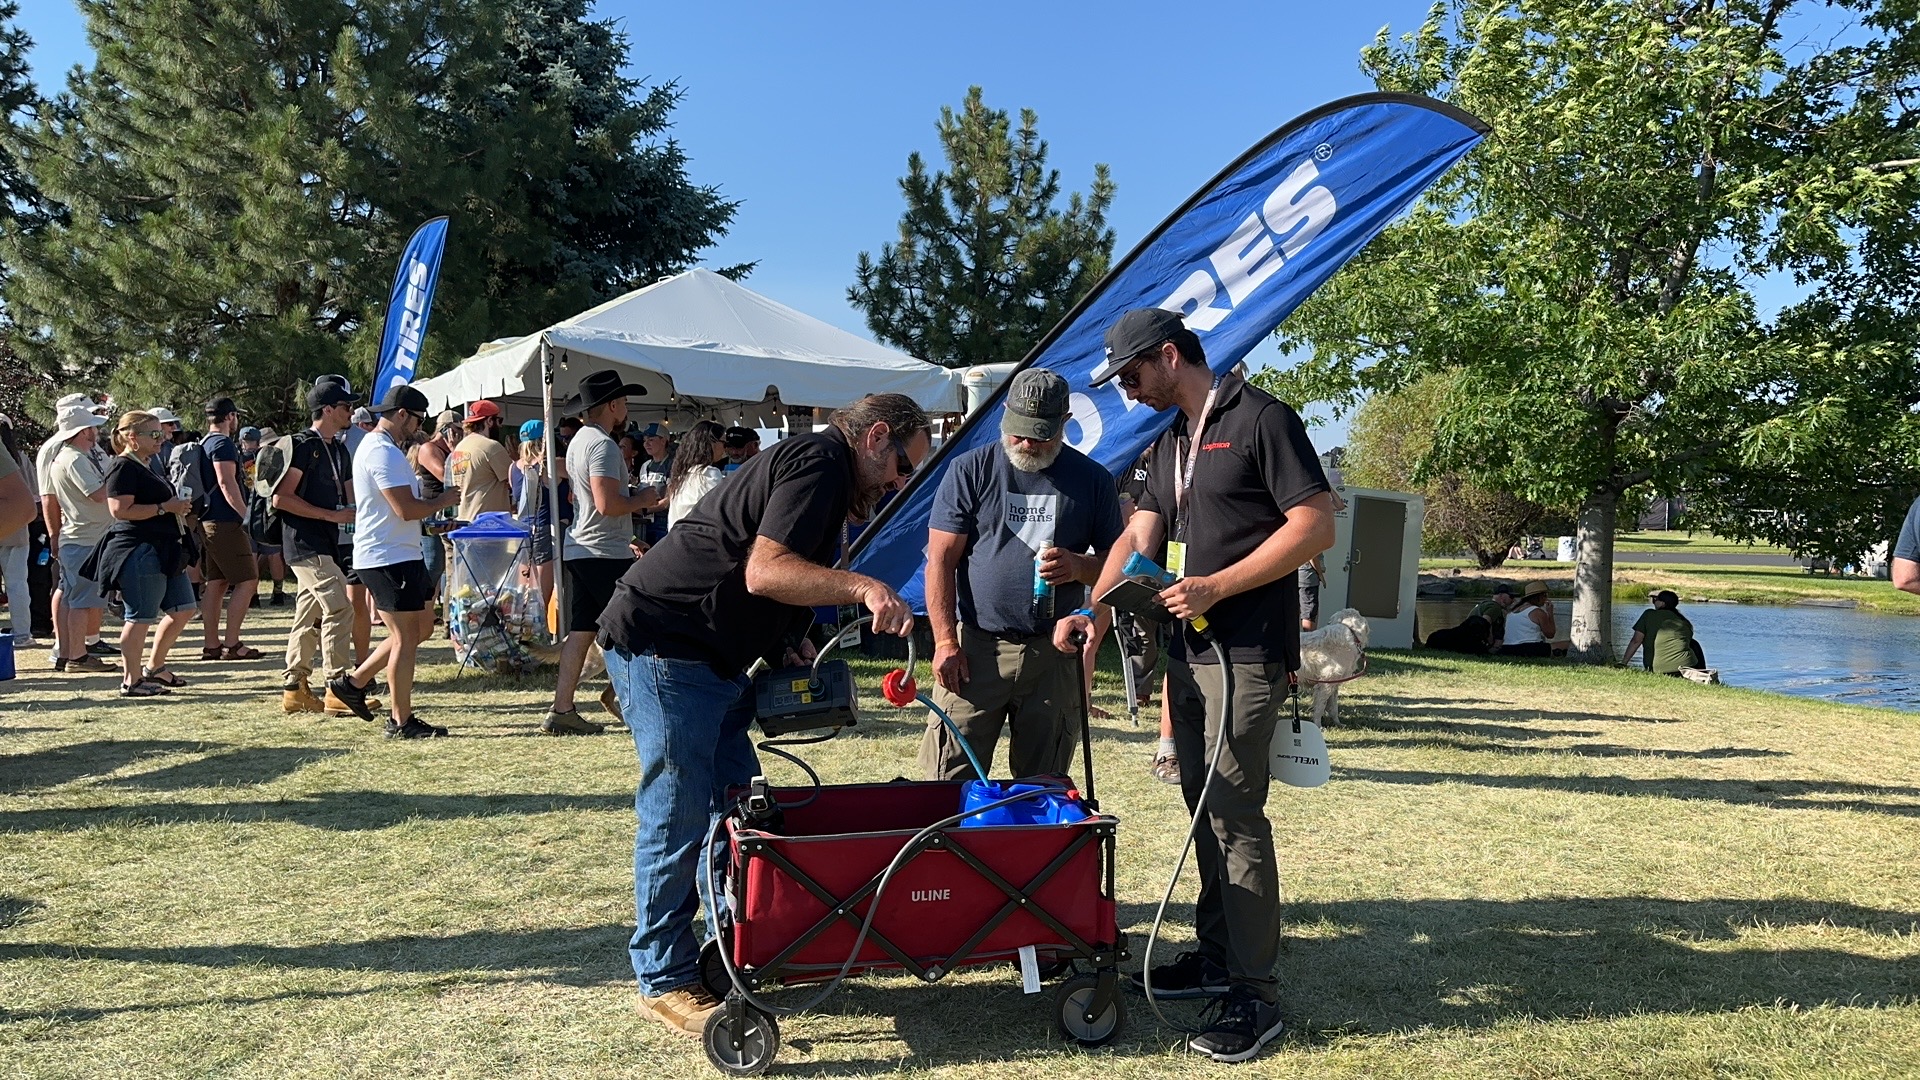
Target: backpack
(191, 475)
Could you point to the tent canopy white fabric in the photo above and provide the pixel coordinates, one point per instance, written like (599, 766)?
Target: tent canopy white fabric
(702, 345)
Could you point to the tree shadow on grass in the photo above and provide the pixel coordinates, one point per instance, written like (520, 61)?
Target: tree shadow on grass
(1389, 708)
(235, 768)
(1592, 750)
(1774, 794)
(344, 811)
(1352, 720)
(56, 765)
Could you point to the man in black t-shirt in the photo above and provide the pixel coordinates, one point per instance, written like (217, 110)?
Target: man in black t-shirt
(314, 499)
(1237, 493)
(731, 583)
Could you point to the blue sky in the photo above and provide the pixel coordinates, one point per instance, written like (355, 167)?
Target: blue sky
(806, 112)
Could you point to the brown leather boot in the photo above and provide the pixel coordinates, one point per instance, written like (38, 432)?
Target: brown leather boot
(296, 698)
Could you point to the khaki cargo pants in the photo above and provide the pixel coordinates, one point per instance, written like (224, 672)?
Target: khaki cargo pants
(1237, 917)
(322, 617)
(1030, 683)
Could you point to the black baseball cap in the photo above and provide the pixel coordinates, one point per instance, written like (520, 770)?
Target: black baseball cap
(737, 437)
(1136, 332)
(221, 406)
(402, 396)
(330, 391)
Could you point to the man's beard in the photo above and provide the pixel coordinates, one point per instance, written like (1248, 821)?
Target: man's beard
(1031, 460)
(868, 488)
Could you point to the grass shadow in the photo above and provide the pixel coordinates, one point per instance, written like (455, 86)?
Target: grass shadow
(1592, 750)
(1775, 794)
(235, 768)
(56, 765)
(344, 811)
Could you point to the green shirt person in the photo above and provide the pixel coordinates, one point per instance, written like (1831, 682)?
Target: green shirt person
(1667, 634)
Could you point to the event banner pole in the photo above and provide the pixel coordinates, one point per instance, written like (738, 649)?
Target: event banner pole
(408, 304)
(1235, 259)
(552, 432)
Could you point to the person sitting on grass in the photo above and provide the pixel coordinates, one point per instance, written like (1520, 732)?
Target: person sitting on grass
(1668, 636)
(1530, 629)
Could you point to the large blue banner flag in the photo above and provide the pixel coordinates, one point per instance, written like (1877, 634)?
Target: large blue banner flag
(408, 306)
(1235, 260)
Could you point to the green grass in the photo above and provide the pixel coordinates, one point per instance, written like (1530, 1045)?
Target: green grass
(1518, 870)
(1681, 540)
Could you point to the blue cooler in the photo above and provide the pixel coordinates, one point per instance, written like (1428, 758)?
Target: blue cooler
(1051, 804)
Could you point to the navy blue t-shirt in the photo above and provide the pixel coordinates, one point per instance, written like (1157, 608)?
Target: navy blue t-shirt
(219, 448)
(1008, 517)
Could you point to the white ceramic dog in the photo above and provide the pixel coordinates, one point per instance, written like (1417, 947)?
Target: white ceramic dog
(1329, 655)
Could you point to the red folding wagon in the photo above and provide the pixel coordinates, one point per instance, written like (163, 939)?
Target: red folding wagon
(797, 892)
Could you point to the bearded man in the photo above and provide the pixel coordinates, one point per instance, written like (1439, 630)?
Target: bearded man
(1018, 531)
(733, 582)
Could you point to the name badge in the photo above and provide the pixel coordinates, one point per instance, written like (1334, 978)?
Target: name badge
(1177, 558)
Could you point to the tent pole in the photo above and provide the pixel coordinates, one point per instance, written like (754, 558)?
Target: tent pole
(552, 430)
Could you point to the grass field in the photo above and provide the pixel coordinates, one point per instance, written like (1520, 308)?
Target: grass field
(1522, 871)
(1682, 541)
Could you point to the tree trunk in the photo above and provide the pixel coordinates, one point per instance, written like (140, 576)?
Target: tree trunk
(1592, 624)
(1491, 558)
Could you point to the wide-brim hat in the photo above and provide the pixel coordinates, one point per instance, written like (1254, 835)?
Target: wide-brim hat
(1533, 589)
(75, 419)
(598, 388)
(164, 415)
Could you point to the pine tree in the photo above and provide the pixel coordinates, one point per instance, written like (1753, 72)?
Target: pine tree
(986, 263)
(240, 179)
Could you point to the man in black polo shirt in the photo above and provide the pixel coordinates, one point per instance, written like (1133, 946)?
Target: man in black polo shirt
(1240, 507)
(732, 583)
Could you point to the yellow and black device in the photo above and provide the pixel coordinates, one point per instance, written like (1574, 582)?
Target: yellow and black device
(804, 699)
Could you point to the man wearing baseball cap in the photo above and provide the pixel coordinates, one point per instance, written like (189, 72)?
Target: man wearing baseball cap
(741, 444)
(1236, 491)
(314, 501)
(228, 568)
(479, 466)
(388, 560)
(1018, 530)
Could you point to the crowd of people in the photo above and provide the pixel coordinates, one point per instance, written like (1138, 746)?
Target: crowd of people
(685, 564)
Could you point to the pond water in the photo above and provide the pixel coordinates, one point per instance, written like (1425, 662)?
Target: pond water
(1842, 654)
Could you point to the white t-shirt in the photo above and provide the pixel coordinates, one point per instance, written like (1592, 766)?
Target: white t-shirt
(75, 476)
(380, 536)
(691, 491)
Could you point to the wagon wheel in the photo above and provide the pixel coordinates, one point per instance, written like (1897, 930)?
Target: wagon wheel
(713, 970)
(743, 1046)
(1071, 1004)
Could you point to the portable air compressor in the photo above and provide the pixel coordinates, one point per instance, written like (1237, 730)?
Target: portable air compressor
(803, 699)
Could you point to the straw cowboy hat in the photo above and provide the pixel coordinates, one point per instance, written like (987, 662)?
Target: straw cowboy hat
(1533, 589)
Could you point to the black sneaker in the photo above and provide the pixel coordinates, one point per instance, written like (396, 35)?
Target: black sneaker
(1189, 976)
(1238, 1024)
(353, 697)
(279, 599)
(101, 648)
(414, 728)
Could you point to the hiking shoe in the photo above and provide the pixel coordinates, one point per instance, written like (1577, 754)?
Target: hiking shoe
(296, 698)
(59, 663)
(336, 707)
(569, 723)
(101, 648)
(342, 692)
(1189, 976)
(1238, 1024)
(86, 662)
(1166, 769)
(610, 701)
(414, 728)
(684, 1010)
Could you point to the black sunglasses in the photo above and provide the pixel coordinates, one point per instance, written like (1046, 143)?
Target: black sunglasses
(1129, 376)
(901, 463)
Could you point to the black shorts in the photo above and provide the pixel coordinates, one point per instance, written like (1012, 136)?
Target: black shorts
(400, 587)
(590, 585)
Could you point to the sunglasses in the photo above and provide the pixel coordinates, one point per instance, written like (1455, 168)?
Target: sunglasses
(1129, 377)
(140, 434)
(901, 463)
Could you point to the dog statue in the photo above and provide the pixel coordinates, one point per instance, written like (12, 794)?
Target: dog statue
(1330, 655)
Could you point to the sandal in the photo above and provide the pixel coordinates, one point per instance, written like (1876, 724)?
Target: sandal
(162, 676)
(213, 652)
(240, 652)
(143, 689)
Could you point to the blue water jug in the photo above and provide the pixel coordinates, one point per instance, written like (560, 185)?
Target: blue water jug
(1050, 804)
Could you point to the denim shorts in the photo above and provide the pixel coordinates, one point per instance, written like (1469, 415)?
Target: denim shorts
(150, 594)
(78, 592)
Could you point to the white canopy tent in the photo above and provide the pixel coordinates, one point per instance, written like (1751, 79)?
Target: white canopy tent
(703, 346)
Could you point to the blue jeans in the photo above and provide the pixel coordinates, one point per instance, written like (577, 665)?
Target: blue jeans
(148, 593)
(689, 730)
